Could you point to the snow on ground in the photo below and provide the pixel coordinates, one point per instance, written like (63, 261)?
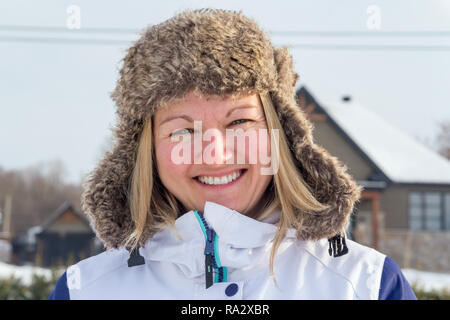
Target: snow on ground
(25, 273)
(427, 280)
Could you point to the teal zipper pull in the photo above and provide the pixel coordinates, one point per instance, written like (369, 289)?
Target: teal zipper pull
(214, 272)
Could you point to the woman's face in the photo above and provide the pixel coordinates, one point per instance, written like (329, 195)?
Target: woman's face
(195, 162)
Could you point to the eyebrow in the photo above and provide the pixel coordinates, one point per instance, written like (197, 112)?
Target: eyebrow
(189, 119)
(249, 106)
(183, 116)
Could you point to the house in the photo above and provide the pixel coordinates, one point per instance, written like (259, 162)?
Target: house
(405, 207)
(64, 238)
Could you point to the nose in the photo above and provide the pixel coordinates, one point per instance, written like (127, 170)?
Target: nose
(216, 150)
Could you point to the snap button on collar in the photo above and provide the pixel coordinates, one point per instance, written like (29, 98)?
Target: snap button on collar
(231, 289)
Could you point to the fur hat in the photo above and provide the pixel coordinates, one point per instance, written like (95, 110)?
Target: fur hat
(219, 53)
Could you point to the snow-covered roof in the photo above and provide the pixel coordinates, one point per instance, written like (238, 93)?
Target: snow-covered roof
(401, 158)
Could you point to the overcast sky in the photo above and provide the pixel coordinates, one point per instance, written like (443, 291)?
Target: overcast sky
(54, 94)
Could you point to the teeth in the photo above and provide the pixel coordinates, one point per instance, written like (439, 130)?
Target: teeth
(219, 180)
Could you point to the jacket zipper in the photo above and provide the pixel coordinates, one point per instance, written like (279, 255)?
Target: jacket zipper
(214, 272)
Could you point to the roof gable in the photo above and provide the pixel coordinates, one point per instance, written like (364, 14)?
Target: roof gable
(398, 156)
(65, 213)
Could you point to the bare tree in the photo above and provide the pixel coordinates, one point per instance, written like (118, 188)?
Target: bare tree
(443, 139)
(36, 191)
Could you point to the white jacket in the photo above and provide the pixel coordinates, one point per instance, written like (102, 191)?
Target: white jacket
(175, 268)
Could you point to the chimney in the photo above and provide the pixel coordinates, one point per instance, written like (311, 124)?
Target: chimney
(346, 98)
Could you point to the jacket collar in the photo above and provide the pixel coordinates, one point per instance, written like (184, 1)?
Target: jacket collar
(235, 231)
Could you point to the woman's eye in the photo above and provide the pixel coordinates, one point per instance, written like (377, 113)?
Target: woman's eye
(239, 121)
(181, 132)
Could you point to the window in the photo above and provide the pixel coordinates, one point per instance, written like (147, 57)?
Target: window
(429, 211)
(447, 211)
(415, 211)
(433, 211)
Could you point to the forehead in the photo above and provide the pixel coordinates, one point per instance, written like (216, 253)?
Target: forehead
(196, 102)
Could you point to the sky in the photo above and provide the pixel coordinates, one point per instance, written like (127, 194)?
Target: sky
(55, 94)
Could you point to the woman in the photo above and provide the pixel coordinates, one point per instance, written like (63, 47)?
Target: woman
(186, 212)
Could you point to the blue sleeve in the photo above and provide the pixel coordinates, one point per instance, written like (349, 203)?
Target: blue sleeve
(61, 292)
(394, 285)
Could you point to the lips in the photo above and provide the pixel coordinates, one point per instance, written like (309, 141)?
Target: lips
(225, 179)
(221, 179)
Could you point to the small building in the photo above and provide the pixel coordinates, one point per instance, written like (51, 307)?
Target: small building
(64, 238)
(405, 207)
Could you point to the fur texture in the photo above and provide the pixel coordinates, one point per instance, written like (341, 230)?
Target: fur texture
(219, 53)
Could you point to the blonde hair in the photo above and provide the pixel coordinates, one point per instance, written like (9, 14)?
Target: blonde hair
(153, 206)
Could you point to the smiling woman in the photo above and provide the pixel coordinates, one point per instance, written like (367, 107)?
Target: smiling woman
(219, 224)
(196, 181)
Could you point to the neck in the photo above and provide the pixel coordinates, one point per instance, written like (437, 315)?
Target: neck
(265, 205)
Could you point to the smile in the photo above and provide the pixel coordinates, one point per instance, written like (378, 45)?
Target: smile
(220, 180)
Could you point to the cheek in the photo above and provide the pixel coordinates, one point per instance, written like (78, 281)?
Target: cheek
(258, 148)
(265, 143)
(169, 172)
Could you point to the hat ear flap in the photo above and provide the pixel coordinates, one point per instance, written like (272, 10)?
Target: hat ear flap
(325, 175)
(292, 118)
(330, 184)
(105, 194)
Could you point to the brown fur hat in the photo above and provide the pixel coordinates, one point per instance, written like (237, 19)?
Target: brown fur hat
(219, 53)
